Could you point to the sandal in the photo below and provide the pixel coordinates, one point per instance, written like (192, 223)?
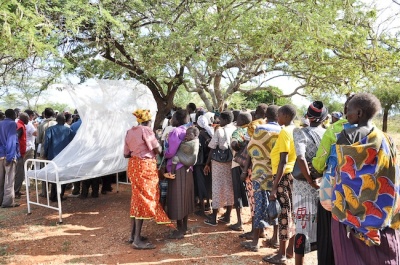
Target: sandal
(247, 235)
(236, 227)
(130, 240)
(209, 222)
(223, 220)
(276, 259)
(145, 246)
(169, 175)
(268, 243)
(175, 235)
(250, 246)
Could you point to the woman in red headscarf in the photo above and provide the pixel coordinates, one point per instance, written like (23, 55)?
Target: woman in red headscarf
(141, 147)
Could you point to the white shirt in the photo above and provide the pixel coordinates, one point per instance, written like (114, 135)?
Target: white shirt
(30, 139)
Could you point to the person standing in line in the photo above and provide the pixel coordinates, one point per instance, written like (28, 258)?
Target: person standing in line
(283, 157)
(259, 148)
(305, 191)
(57, 137)
(44, 125)
(324, 163)
(19, 169)
(141, 147)
(8, 156)
(222, 187)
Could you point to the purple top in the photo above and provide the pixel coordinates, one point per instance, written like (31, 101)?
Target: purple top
(175, 137)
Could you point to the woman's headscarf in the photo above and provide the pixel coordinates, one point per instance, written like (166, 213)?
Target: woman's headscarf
(142, 115)
(202, 121)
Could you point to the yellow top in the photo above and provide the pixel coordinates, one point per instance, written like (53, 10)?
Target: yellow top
(284, 144)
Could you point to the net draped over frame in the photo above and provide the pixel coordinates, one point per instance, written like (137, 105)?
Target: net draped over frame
(105, 108)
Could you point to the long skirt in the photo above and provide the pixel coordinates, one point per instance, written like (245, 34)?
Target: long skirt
(305, 205)
(180, 195)
(349, 250)
(222, 187)
(145, 200)
(324, 237)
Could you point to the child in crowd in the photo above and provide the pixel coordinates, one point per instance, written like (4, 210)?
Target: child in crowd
(187, 152)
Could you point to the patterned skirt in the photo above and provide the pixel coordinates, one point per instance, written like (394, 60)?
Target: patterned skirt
(145, 198)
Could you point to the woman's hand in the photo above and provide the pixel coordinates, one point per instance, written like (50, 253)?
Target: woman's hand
(243, 176)
(272, 195)
(314, 185)
(206, 170)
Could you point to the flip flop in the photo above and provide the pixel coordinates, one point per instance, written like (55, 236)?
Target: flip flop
(130, 240)
(11, 206)
(209, 222)
(145, 246)
(269, 244)
(250, 246)
(236, 227)
(275, 259)
(223, 220)
(175, 235)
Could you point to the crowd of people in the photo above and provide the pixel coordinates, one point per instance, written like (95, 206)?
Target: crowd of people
(329, 184)
(326, 185)
(26, 135)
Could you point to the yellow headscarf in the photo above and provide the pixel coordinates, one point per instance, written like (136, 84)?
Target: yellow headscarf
(142, 115)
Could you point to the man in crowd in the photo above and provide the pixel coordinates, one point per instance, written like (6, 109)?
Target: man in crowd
(8, 156)
(57, 137)
(19, 170)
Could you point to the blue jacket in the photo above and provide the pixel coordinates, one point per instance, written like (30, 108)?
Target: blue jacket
(57, 137)
(8, 139)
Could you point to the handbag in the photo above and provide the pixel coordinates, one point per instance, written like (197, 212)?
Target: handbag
(242, 155)
(222, 155)
(297, 174)
(273, 210)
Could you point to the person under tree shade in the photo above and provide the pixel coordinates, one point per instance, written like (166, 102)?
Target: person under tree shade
(8, 155)
(180, 196)
(56, 138)
(365, 198)
(141, 147)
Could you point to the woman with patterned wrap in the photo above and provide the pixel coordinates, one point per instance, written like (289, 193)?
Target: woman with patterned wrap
(141, 147)
(365, 197)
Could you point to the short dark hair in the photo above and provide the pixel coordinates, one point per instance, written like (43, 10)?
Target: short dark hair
(227, 116)
(192, 106)
(288, 110)
(368, 103)
(261, 110)
(48, 112)
(235, 114)
(10, 113)
(29, 112)
(60, 119)
(244, 118)
(272, 113)
(180, 116)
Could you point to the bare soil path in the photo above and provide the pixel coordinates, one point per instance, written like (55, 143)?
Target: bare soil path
(94, 231)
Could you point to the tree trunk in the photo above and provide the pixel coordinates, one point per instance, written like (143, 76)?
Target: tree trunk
(385, 118)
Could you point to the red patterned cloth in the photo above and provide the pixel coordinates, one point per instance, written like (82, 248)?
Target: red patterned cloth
(145, 200)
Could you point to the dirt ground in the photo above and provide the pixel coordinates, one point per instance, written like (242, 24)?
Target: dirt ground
(94, 231)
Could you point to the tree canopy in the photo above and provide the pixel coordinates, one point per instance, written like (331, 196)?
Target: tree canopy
(214, 48)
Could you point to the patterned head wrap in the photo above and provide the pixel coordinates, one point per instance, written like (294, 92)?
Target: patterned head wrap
(142, 115)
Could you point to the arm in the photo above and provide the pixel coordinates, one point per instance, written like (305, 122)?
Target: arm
(11, 147)
(127, 152)
(281, 168)
(174, 141)
(212, 145)
(324, 150)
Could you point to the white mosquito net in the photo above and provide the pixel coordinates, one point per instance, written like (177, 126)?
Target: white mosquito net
(105, 108)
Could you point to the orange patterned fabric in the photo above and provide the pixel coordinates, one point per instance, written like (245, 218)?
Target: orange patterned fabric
(145, 200)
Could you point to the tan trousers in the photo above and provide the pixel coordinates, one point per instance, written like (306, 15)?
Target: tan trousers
(7, 178)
